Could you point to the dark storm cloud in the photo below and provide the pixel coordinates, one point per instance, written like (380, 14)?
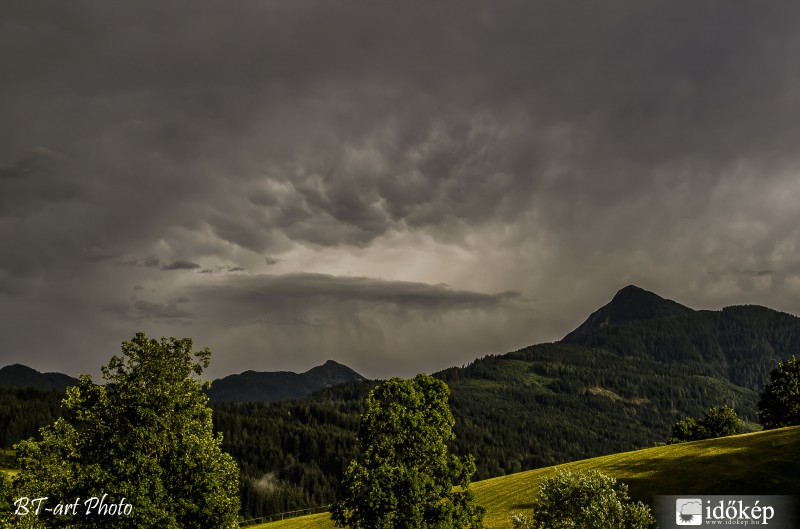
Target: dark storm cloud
(270, 293)
(576, 146)
(435, 124)
(337, 122)
(180, 265)
(37, 180)
(153, 262)
(37, 161)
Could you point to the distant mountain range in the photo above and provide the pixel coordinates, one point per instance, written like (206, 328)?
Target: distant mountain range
(270, 386)
(267, 386)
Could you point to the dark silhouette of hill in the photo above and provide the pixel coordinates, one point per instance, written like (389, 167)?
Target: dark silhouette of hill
(20, 376)
(270, 386)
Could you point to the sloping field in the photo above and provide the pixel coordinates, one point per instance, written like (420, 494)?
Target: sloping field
(755, 463)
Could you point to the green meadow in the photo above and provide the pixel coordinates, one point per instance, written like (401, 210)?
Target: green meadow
(754, 463)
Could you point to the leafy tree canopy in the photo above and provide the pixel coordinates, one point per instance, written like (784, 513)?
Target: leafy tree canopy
(585, 501)
(145, 436)
(718, 422)
(405, 477)
(780, 402)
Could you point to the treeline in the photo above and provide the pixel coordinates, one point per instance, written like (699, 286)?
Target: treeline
(292, 454)
(24, 410)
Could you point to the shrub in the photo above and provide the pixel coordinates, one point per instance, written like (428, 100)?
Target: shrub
(584, 501)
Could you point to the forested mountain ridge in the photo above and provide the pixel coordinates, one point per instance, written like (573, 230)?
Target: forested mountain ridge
(270, 386)
(741, 344)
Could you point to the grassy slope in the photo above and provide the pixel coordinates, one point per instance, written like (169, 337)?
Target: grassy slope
(755, 463)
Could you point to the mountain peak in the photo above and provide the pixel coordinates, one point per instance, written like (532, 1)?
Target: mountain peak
(629, 304)
(632, 290)
(332, 373)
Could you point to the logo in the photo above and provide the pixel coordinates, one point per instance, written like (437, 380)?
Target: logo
(689, 511)
(746, 510)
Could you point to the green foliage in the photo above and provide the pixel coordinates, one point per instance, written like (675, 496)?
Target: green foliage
(405, 477)
(145, 436)
(292, 454)
(718, 422)
(6, 500)
(584, 501)
(780, 402)
(721, 422)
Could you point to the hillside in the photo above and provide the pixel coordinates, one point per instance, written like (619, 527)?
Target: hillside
(756, 463)
(270, 386)
(20, 376)
(617, 382)
(741, 344)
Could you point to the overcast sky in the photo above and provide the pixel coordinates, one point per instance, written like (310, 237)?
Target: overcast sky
(398, 186)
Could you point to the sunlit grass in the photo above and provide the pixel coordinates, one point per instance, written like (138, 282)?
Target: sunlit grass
(312, 521)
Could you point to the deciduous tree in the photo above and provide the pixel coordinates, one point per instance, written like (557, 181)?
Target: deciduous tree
(718, 422)
(780, 402)
(405, 477)
(145, 436)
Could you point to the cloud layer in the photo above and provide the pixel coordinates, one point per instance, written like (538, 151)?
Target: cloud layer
(294, 181)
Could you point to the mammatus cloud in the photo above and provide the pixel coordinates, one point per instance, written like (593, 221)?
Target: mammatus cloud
(558, 150)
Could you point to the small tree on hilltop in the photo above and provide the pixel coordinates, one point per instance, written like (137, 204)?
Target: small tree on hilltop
(145, 436)
(718, 422)
(584, 501)
(721, 422)
(780, 402)
(405, 477)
